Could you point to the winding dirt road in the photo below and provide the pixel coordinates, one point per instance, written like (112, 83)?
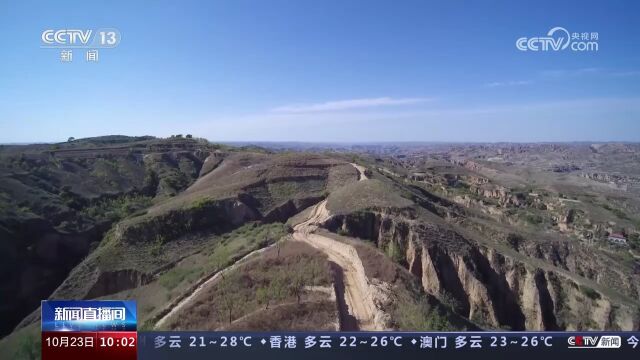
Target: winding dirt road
(357, 300)
(357, 307)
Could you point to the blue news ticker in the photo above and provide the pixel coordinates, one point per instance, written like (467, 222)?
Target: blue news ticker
(89, 315)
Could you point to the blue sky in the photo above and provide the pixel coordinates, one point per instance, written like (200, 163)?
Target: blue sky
(320, 70)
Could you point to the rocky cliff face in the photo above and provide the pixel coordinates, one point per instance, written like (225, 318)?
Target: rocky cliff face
(499, 193)
(620, 181)
(110, 282)
(492, 289)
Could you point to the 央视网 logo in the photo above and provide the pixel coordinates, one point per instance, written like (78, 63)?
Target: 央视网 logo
(559, 39)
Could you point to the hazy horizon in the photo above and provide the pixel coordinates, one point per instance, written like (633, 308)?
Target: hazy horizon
(329, 71)
(343, 143)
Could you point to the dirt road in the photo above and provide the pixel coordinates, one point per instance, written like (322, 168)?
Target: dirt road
(203, 285)
(354, 286)
(361, 170)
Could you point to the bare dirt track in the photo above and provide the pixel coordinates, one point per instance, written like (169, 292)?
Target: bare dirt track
(354, 297)
(204, 283)
(361, 169)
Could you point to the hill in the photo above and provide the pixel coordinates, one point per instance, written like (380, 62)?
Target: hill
(318, 241)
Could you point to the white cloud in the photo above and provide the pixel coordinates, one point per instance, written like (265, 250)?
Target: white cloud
(571, 72)
(508, 83)
(626, 73)
(348, 104)
(559, 120)
(588, 72)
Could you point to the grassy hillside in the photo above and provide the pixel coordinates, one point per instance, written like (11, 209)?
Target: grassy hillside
(151, 238)
(57, 201)
(367, 194)
(278, 279)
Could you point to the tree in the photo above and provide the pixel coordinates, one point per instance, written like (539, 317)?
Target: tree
(71, 139)
(263, 296)
(150, 183)
(296, 286)
(634, 241)
(277, 287)
(189, 136)
(313, 270)
(229, 303)
(447, 298)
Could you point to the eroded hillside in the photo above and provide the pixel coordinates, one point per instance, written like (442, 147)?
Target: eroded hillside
(57, 201)
(205, 237)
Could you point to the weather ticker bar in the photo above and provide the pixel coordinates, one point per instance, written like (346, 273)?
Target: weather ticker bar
(384, 345)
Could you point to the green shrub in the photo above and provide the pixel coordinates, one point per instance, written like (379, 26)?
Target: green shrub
(157, 246)
(533, 219)
(417, 315)
(590, 293)
(117, 208)
(201, 203)
(448, 299)
(619, 213)
(634, 241)
(394, 251)
(29, 348)
(175, 276)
